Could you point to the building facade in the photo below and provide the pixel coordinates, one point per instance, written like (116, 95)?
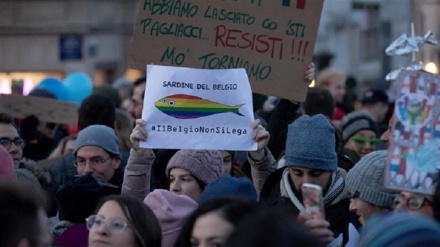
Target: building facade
(355, 34)
(52, 38)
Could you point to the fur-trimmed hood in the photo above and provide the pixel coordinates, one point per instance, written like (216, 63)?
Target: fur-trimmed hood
(43, 176)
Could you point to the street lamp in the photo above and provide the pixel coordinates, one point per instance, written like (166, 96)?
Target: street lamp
(431, 67)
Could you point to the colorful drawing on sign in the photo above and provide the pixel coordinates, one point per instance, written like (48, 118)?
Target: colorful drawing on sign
(184, 106)
(414, 154)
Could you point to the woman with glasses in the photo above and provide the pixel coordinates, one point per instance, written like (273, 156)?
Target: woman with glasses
(359, 134)
(413, 202)
(123, 221)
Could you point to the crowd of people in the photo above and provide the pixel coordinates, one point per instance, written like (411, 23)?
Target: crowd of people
(95, 186)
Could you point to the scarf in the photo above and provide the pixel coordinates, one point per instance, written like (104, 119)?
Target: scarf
(336, 187)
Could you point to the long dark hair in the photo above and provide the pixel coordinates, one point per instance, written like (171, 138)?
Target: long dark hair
(232, 210)
(272, 227)
(140, 217)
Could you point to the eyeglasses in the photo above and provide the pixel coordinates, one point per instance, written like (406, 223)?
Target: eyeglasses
(362, 142)
(412, 203)
(113, 225)
(7, 143)
(93, 163)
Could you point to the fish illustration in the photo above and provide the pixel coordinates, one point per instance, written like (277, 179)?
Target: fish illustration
(184, 106)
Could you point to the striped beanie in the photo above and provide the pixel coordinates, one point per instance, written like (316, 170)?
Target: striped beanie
(402, 229)
(365, 180)
(355, 122)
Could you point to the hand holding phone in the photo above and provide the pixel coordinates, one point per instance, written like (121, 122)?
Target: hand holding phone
(313, 200)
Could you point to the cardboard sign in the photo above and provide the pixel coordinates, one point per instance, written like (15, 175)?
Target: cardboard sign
(47, 110)
(414, 153)
(273, 40)
(187, 108)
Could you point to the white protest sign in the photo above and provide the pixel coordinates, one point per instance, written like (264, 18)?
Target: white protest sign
(187, 108)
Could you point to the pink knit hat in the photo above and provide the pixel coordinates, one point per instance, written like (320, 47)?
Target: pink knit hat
(205, 165)
(171, 211)
(6, 165)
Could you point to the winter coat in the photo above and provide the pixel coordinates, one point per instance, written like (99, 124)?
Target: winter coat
(67, 234)
(137, 174)
(273, 192)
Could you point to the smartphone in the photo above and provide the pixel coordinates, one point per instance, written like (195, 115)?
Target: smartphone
(313, 200)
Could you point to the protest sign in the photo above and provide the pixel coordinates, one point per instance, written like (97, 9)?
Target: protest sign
(272, 40)
(187, 108)
(47, 110)
(414, 152)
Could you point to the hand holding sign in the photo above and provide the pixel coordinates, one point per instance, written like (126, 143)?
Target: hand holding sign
(139, 133)
(309, 75)
(261, 136)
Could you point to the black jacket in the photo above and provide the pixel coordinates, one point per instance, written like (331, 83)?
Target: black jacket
(337, 214)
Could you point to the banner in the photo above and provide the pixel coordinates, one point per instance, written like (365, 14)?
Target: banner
(47, 110)
(273, 40)
(414, 153)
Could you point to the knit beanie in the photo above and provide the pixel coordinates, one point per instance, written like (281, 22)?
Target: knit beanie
(228, 186)
(402, 229)
(311, 144)
(205, 165)
(6, 165)
(99, 136)
(365, 180)
(172, 211)
(355, 122)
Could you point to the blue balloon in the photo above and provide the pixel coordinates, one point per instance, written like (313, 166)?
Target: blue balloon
(55, 86)
(79, 87)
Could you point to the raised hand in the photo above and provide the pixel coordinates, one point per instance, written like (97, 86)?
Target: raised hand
(309, 74)
(139, 133)
(261, 136)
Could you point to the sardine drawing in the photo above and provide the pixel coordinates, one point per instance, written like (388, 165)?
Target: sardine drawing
(184, 106)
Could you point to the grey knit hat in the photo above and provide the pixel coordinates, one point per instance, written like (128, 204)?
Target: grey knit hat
(355, 122)
(99, 136)
(311, 144)
(205, 165)
(365, 180)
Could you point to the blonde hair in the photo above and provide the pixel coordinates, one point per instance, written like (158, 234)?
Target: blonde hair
(58, 151)
(124, 124)
(326, 76)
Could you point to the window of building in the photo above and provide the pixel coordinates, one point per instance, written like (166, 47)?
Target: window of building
(370, 37)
